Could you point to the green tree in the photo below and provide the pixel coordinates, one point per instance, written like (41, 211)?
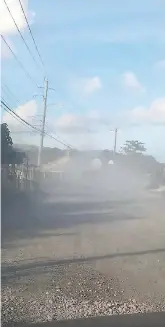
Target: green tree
(132, 147)
(6, 144)
(8, 154)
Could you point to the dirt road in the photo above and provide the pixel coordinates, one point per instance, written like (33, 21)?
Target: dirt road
(85, 253)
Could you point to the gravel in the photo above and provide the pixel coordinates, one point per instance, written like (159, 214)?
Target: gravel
(73, 291)
(65, 292)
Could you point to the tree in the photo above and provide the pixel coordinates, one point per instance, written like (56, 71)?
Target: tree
(6, 144)
(132, 147)
(8, 154)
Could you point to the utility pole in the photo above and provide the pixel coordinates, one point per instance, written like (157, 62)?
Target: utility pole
(43, 122)
(115, 141)
(68, 152)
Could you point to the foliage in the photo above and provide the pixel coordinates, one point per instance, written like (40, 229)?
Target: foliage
(132, 147)
(8, 154)
(6, 144)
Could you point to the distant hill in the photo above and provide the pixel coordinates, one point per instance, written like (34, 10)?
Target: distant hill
(48, 155)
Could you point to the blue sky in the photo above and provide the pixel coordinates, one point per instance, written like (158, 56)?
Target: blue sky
(106, 61)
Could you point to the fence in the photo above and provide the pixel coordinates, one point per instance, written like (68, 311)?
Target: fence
(17, 178)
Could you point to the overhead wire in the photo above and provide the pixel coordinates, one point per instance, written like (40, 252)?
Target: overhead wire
(5, 101)
(31, 34)
(29, 28)
(12, 95)
(36, 63)
(46, 133)
(19, 62)
(9, 93)
(12, 114)
(7, 108)
(23, 120)
(39, 55)
(63, 142)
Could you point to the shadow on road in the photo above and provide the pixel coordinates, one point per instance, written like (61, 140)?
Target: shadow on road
(136, 320)
(41, 216)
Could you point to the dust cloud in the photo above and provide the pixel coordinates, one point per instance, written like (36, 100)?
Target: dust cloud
(91, 177)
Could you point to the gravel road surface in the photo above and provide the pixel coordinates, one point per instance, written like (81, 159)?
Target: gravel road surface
(83, 254)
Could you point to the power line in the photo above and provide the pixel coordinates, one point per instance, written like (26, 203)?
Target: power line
(33, 38)
(12, 95)
(21, 132)
(5, 88)
(61, 142)
(32, 35)
(7, 108)
(45, 133)
(23, 120)
(21, 34)
(12, 113)
(19, 62)
(4, 100)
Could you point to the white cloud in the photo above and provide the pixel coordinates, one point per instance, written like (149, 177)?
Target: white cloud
(79, 124)
(25, 111)
(155, 114)
(92, 85)
(67, 120)
(7, 26)
(72, 124)
(6, 23)
(130, 81)
(160, 65)
(87, 86)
